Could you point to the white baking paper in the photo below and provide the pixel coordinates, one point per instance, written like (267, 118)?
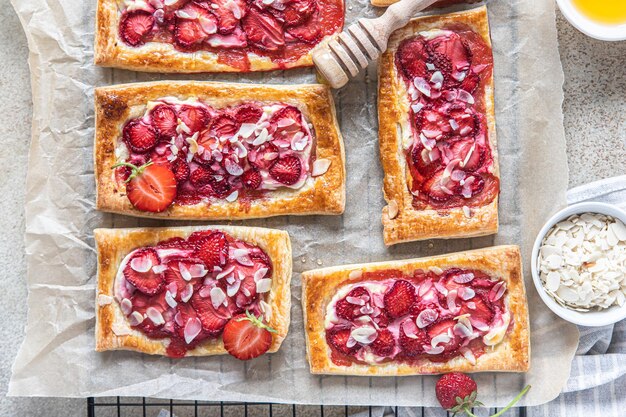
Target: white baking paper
(57, 357)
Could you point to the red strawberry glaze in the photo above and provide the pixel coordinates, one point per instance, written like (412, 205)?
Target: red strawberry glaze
(187, 289)
(411, 318)
(281, 30)
(450, 159)
(238, 153)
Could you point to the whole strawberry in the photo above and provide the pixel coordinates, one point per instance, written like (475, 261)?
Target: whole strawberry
(457, 392)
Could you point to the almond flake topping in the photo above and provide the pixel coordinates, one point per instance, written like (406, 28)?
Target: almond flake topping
(581, 262)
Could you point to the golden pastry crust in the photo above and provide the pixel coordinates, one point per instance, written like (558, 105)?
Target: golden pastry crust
(393, 115)
(114, 244)
(510, 355)
(324, 194)
(111, 51)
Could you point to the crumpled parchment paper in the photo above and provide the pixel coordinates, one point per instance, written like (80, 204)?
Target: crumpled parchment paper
(57, 357)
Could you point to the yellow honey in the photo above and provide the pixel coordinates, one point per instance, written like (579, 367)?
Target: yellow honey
(608, 12)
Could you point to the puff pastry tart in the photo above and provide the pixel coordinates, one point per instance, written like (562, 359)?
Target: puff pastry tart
(462, 312)
(172, 291)
(212, 35)
(437, 129)
(194, 150)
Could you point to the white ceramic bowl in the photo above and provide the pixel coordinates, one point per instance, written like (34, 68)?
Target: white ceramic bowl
(590, 318)
(589, 27)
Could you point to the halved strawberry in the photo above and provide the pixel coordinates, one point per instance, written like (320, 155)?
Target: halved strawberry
(224, 126)
(228, 13)
(139, 136)
(384, 344)
(298, 11)
(151, 187)
(213, 250)
(445, 326)
(460, 149)
(138, 271)
(413, 347)
(196, 118)
(411, 58)
(307, 29)
(247, 337)
(200, 176)
(213, 321)
(433, 187)
(399, 298)
(135, 27)
(263, 29)
(251, 179)
(164, 120)
(338, 340)
(248, 113)
(286, 170)
(180, 169)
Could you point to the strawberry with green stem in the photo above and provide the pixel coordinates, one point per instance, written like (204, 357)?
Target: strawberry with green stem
(150, 187)
(456, 392)
(247, 336)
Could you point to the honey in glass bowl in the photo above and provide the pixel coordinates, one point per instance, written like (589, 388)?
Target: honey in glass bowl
(607, 12)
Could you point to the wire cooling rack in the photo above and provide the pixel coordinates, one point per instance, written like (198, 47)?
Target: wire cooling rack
(122, 407)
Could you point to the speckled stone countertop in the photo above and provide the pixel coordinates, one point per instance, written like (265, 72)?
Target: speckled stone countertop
(595, 127)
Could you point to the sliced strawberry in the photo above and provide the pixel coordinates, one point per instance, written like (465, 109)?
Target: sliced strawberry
(247, 292)
(476, 185)
(350, 311)
(135, 27)
(180, 169)
(175, 242)
(425, 168)
(489, 191)
(399, 298)
(141, 302)
(252, 179)
(213, 321)
(445, 326)
(338, 340)
(433, 187)
(194, 24)
(196, 118)
(382, 320)
(411, 58)
(264, 30)
(228, 13)
(288, 112)
(151, 188)
(248, 113)
(385, 343)
(298, 11)
(307, 29)
(286, 170)
(174, 275)
(213, 250)
(470, 82)
(224, 126)
(264, 156)
(449, 54)
(411, 347)
(220, 188)
(483, 310)
(139, 136)
(200, 176)
(467, 123)
(258, 255)
(138, 271)
(164, 120)
(247, 337)
(460, 149)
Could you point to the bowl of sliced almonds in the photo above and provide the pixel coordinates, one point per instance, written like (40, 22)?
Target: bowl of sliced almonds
(579, 264)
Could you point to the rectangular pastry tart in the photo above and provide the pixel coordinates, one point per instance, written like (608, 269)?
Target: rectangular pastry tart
(463, 312)
(174, 291)
(212, 35)
(437, 129)
(203, 150)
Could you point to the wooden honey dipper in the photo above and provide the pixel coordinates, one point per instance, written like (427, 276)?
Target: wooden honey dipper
(353, 49)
